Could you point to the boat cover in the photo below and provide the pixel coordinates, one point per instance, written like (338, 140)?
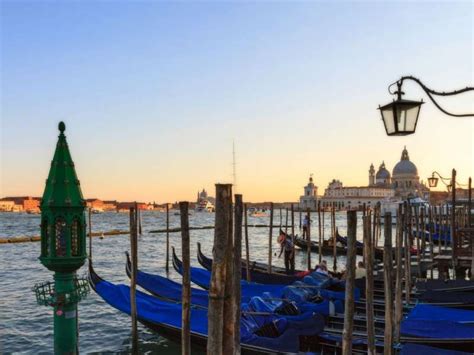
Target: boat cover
(429, 321)
(156, 311)
(444, 285)
(166, 288)
(466, 298)
(336, 338)
(299, 291)
(418, 349)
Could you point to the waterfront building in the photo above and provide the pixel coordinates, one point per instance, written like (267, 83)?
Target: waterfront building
(110, 205)
(24, 203)
(402, 184)
(125, 206)
(7, 205)
(95, 204)
(310, 197)
(354, 197)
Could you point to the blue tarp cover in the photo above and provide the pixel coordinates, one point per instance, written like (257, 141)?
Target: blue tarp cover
(156, 311)
(297, 292)
(438, 322)
(172, 290)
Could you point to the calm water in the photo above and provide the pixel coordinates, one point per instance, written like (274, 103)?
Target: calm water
(28, 328)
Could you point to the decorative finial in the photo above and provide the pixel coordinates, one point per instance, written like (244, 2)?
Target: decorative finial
(61, 127)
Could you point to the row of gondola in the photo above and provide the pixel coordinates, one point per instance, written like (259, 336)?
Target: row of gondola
(298, 313)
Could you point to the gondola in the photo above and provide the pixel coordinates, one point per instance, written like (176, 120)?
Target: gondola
(268, 334)
(465, 300)
(254, 265)
(257, 275)
(444, 285)
(167, 289)
(436, 237)
(426, 324)
(341, 247)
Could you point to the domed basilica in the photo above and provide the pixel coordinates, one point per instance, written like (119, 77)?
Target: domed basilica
(402, 184)
(404, 179)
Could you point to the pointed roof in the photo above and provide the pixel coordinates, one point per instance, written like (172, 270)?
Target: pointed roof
(405, 154)
(62, 186)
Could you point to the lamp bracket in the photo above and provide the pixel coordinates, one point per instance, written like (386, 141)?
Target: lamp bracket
(430, 93)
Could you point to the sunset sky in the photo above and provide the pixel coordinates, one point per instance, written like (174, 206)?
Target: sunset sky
(154, 93)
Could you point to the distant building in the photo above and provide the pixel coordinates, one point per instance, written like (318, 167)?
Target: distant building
(110, 205)
(354, 197)
(402, 184)
(405, 179)
(310, 197)
(7, 205)
(24, 203)
(125, 206)
(95, 204)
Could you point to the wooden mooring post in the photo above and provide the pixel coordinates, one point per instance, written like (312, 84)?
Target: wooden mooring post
(217, 289)
(133, 277)
(237, 257)
(388, 282)
(90, 232)
(334, 239)
(286, 220)
(320, 241)
(270, 233)
(308, 237)
(139, 212)
(186, 293)
(293, 238)
(167, 267)
(247, 249)
(369, 284)
(350, 280)
(407, 252)
(398, 278)
(418, 242)
(229, 300)
(430, 235)
(469, 205)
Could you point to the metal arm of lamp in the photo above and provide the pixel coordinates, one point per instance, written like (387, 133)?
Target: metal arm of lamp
(431, 93)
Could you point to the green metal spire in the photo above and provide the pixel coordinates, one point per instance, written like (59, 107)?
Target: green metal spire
(63, 246)
(62, 186)
(63, 226)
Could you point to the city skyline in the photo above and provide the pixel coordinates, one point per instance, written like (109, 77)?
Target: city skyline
(154, 94)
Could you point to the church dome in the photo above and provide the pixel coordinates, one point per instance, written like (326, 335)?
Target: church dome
(383, 173)
(405, 166)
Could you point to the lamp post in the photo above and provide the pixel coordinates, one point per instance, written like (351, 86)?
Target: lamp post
(63, 246)
(401, 116)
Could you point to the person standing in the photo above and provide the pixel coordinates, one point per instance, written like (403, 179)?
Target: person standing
(286, 246)
(306, 224)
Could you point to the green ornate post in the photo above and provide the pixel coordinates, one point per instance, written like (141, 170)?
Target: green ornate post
(63, 246)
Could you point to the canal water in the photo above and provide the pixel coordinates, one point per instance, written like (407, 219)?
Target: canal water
(26, 327)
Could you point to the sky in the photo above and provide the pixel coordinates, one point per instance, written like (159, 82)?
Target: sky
(154, 93)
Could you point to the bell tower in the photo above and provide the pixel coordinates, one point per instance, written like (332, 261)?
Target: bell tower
(371, 175)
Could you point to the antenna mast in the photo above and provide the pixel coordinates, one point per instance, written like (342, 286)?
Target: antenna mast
(234, 175)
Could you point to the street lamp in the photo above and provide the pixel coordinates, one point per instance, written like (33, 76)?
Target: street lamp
(401, 116)
(432, 181)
